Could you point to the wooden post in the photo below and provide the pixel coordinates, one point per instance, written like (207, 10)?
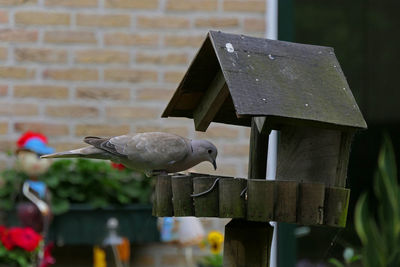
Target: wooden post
(231, 202)
(182, 189)
(248, 243)
(163, 196)
(207, 204)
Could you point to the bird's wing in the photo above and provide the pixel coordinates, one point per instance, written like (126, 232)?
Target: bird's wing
(157, 149)
(113, 145)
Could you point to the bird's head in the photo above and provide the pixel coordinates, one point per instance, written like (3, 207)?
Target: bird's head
(206, 151)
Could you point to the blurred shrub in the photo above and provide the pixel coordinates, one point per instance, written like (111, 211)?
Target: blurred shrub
(80, 181)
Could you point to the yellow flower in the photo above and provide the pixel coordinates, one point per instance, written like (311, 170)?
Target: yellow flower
(215, 239)
(99, 257)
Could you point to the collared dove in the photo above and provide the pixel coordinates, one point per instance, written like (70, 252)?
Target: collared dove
(147, 152)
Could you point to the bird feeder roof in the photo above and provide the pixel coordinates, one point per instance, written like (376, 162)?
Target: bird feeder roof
(282, 81)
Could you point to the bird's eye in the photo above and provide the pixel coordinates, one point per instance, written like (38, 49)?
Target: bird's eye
(209, 151)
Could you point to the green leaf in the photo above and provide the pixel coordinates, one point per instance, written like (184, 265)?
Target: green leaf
(335, 262)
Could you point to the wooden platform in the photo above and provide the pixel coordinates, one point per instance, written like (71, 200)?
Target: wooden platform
(253, 199)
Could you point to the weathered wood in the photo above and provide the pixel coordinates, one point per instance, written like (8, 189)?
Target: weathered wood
(273, 79)
(231, 202)
(336, 206)
(163, 194)
(258, 153)
(285, 201)
(182, 188)
(211, 102)
(260, 200)
(247, 244)
(206, 205)
(344, 154)
(311, 204)
(308, 154)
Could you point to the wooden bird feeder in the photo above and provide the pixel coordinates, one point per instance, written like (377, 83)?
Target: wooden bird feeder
(267, 85)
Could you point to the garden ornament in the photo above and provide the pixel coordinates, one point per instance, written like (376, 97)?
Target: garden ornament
(148, 152)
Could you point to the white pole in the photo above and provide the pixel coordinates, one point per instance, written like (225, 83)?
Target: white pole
(271, 20)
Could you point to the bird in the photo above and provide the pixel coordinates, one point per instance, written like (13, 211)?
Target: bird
(149, 152)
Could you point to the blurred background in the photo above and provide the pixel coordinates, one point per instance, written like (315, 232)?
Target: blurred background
(71, 68)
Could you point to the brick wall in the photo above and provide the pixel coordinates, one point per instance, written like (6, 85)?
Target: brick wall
(70, 68)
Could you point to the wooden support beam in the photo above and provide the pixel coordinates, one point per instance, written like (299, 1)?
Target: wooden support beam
(163, 196)
(247, 244)
(211, 102)
(182, 189)
(258, 153)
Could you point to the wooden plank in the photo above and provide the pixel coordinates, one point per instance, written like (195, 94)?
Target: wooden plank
(182, 189)
(231, 199)
(211, 102)
(285, 201)
(311, 204)
(308, 154)
(206, 205)
(260, 200)
(258, 153)
(163, 194)
(336, 206)
(344, 154)
(247, 244)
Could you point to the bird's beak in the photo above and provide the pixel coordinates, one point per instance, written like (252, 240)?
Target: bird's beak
(214, 163)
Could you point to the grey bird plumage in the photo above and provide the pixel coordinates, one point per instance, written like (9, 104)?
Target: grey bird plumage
(146, 152)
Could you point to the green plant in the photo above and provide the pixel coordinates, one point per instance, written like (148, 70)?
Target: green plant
(349, 257)
(81, 181)
(214, 241)
(379, 231)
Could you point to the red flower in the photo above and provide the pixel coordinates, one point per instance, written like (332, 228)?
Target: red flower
(117, 166)
(7, 241)
(3, 230)
(25, 238)
(47, 258)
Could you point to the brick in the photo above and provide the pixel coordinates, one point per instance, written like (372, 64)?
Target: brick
(192, 5)
(40, 55)
(49, 129)
(71, 3)
(167, 59)
(3, 16)
(8, 146)
(130, 75)
(162, 22)
(17, 2)
(74, 111)
(237, 150)
(18, 109)
(74, 74)
(3, 89)
(41, 91)
(101, 56)
(101, 129)
(179, 130)
(173, 260)
(70, 37)
(216, 22)
(120, 38)
(254, 25)
(214, 131)
(16, 73)
(41, 18)
(103, 93)
(3, 127)
(125, 112)
(226, 169)
(3, 53)
(154, 94)
(18, 35)
(63, 146)
(97, 20)
(135, 4)
(184, 40)
(173, 76)
(244, 5)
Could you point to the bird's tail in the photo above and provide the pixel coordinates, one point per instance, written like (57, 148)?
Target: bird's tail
(84, 152)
